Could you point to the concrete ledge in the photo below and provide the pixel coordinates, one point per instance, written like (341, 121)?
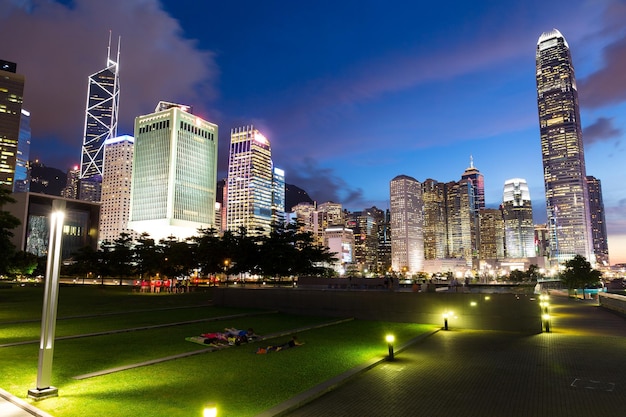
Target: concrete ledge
(21, 405)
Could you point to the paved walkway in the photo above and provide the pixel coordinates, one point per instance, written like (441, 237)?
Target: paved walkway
(576, 370)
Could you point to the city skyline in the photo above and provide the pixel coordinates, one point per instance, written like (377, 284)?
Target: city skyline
(349, 95)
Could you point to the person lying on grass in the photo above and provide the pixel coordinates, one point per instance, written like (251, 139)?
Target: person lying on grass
(276, 348)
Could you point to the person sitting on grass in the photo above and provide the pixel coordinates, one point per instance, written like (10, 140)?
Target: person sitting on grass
(276, 348)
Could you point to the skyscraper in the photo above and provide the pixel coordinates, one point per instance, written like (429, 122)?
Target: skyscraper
(101, 113)
(491, 234)
(278, 196)
(435, 230)
(22, 167)
(174, 174)
(598, 221)
(250, 181)
(562, 149)
(118, 171)
(407, 222)
(11, 93)
(478, 184)
(517, 212)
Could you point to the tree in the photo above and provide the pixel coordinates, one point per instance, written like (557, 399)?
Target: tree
(578, 273)
(145, 255)
(23, 263)
(121, 257)
(7, 223)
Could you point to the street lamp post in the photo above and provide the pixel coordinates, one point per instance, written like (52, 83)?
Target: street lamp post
(50, 301)
(390, 339)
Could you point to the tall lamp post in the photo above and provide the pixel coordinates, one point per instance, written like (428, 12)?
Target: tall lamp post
(50, 301)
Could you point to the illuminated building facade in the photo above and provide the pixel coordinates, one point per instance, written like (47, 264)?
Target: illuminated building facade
(407, 222)
(435, 230)
(71, 186)
(340, 242)
(174, 174)
(278, 196)
(517, 213)
(116, 181)
(461, 221)
(101, 113)
(598, 221)
(11, 94)
(478, 184)
(250, 182)
(22, 166)
(562, 149)
(492, 234)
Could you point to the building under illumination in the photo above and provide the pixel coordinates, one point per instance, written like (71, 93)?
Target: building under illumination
(562, 150)
(11, 93)
(517, 212)
(407, 222)
(250, 182)
(101, 113)
(116, 181)
(598, 221)
(174, 177)
(22, 166)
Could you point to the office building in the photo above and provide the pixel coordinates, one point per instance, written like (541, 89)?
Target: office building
(250, 182)
(80, 224)
(598, 222)
(116, 181)
(461, 221)
(278, 197)
(340, 242)
(11, 94)
(517, 213)
(71, 185)
(491, 234)
(174, 174)
(21, 182)
(407, 222)
(562, 150)
(101, 114)
(478, 184)
(435, 225)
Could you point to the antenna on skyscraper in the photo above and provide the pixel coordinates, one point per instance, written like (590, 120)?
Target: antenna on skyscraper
(471, 161)
(109, 49)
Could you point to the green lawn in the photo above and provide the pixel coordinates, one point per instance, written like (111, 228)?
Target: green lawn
(241, 382)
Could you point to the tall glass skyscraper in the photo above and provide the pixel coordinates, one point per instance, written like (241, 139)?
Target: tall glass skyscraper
(250, 182)
(174, 177)
(562, 150)
(11, 92)
(517, 212)
(22, 167)
(598, 221)
(101, 113)
(407, 224)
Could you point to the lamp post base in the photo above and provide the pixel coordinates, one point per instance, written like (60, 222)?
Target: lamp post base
(38, 394)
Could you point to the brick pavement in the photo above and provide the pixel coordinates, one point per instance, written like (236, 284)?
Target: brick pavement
(576, 370)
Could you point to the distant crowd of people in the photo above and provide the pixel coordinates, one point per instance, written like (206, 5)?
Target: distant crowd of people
(163, 285)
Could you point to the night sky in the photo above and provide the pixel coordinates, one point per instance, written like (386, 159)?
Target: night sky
(349, 93)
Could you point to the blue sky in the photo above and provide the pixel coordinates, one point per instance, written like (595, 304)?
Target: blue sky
(349, 93)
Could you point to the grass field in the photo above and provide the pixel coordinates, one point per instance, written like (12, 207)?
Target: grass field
(239, 381)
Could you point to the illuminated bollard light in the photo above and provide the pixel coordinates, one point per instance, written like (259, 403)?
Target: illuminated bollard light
(445, 319)
(546, 322)
(390, 339)
(210, 410)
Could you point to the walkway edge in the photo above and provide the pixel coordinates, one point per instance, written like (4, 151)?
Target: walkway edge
(22, 404)
(331, 384)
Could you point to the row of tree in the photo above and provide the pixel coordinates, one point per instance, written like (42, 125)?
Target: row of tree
(286, 251)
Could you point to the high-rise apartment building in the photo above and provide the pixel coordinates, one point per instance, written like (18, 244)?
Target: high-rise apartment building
(116, 181)
(517, 213)
(174, 174)
(11, 93)
(598, 221)
(101, 113)
(407, 222)
(562, 149)
(250, 182)
(22, 166)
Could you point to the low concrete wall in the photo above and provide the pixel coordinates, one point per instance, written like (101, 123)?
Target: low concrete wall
(613, 302)
(508, 312)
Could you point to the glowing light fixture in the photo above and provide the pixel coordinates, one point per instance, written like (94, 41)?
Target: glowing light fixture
(390, 339)
(210, 410)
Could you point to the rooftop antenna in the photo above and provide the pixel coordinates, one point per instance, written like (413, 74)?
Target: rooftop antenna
(471, 161)
(109, 50)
